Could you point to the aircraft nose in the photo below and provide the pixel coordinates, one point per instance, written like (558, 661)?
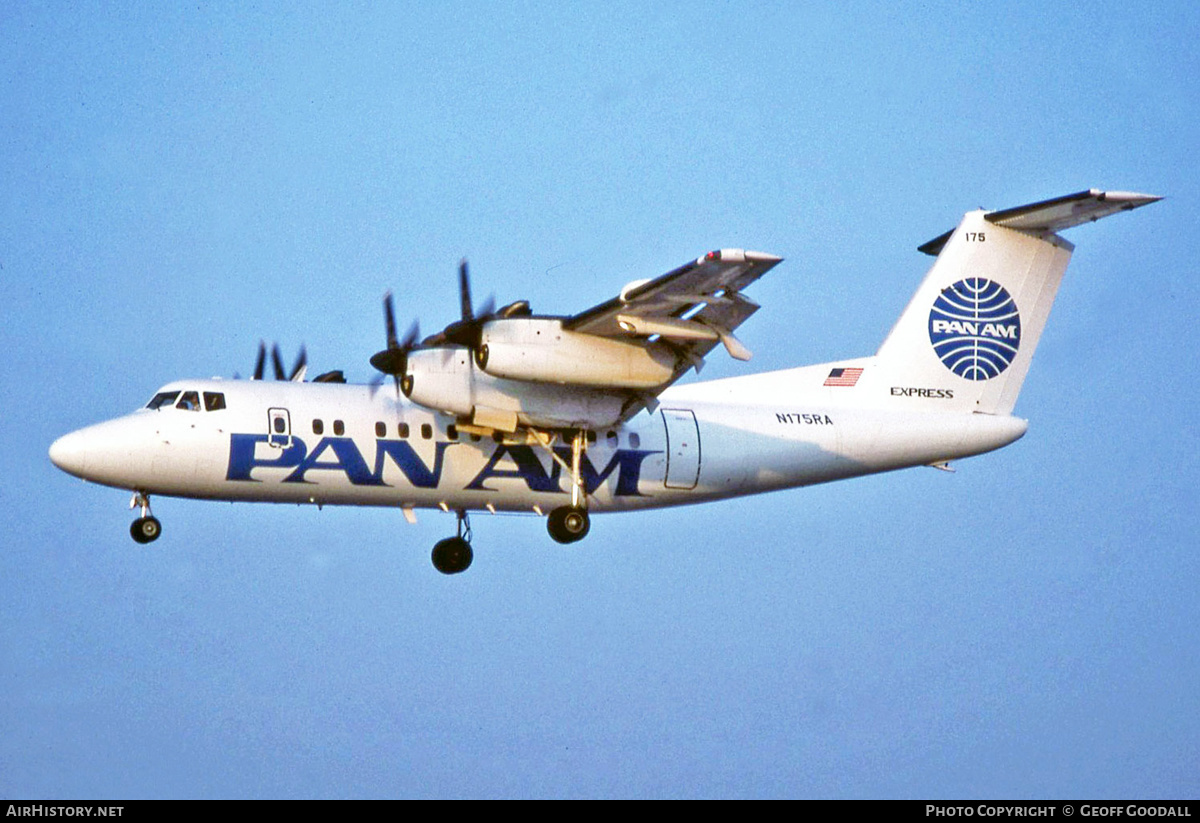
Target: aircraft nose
(70, 453)
(117, 452)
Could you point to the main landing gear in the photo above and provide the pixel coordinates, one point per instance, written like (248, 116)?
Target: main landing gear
(146, 528)
(454, 555)
(568, 524)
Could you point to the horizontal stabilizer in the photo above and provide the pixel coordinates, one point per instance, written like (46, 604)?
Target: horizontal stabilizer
(1057, 214)
(1065, 212)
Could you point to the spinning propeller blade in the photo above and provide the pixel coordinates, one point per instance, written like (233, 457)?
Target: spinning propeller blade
(261, 361)
(300, 368)
(466, 330)
(464, 291)
(277, 362)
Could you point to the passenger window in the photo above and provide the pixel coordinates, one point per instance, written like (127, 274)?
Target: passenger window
(339, 428)
(452, 431)
(189, 402)
(611, 437)
(591, 438)
(280, 425)
(213, 401)
(380, 429)
(426, 431)
(402, 430)
(318, 426)
(164, 398)
(634, 440)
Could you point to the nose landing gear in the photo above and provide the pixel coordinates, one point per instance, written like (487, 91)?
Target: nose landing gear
(146, 528)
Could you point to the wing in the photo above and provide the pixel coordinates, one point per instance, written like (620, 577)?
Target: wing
(692, 308)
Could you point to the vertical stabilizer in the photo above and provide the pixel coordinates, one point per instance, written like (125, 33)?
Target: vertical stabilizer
(968, 335)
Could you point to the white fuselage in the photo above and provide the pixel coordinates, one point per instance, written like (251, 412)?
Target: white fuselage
(342, 444)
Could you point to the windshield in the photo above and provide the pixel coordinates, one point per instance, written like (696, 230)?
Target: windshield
(189, 400)
(163, 398)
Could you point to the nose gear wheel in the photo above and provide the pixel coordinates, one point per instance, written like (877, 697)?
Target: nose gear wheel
(146, 528)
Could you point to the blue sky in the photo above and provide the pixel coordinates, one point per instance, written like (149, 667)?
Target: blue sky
(180, 182)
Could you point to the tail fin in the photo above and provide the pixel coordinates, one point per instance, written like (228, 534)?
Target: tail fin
(969, 333)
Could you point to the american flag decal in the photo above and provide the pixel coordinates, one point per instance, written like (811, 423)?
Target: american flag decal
(843, 377)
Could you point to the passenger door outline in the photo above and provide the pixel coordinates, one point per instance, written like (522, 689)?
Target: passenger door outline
(279, 428)
(683, 449)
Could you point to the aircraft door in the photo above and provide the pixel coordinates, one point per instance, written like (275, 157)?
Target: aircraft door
(279, 428)
(683, 449)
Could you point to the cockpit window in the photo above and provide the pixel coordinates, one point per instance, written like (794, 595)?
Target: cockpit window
(163, 398)
(189, 402)
(214, 401)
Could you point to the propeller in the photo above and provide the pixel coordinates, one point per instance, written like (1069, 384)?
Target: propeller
(299, 369)
(394, 359)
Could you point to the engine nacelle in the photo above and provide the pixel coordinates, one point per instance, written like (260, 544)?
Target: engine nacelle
(445, 379)
(539, 349)
(441, 378)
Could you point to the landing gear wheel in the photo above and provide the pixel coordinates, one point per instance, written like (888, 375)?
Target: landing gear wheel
(568, 524)
(452, 555)
(145, 529)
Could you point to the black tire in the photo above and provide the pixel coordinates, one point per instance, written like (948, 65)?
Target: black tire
(568, 524)
(452, 555)
(145, 529)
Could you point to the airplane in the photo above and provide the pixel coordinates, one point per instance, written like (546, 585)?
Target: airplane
(564, 417)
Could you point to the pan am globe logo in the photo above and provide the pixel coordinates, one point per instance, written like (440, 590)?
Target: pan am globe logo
(975, 328)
